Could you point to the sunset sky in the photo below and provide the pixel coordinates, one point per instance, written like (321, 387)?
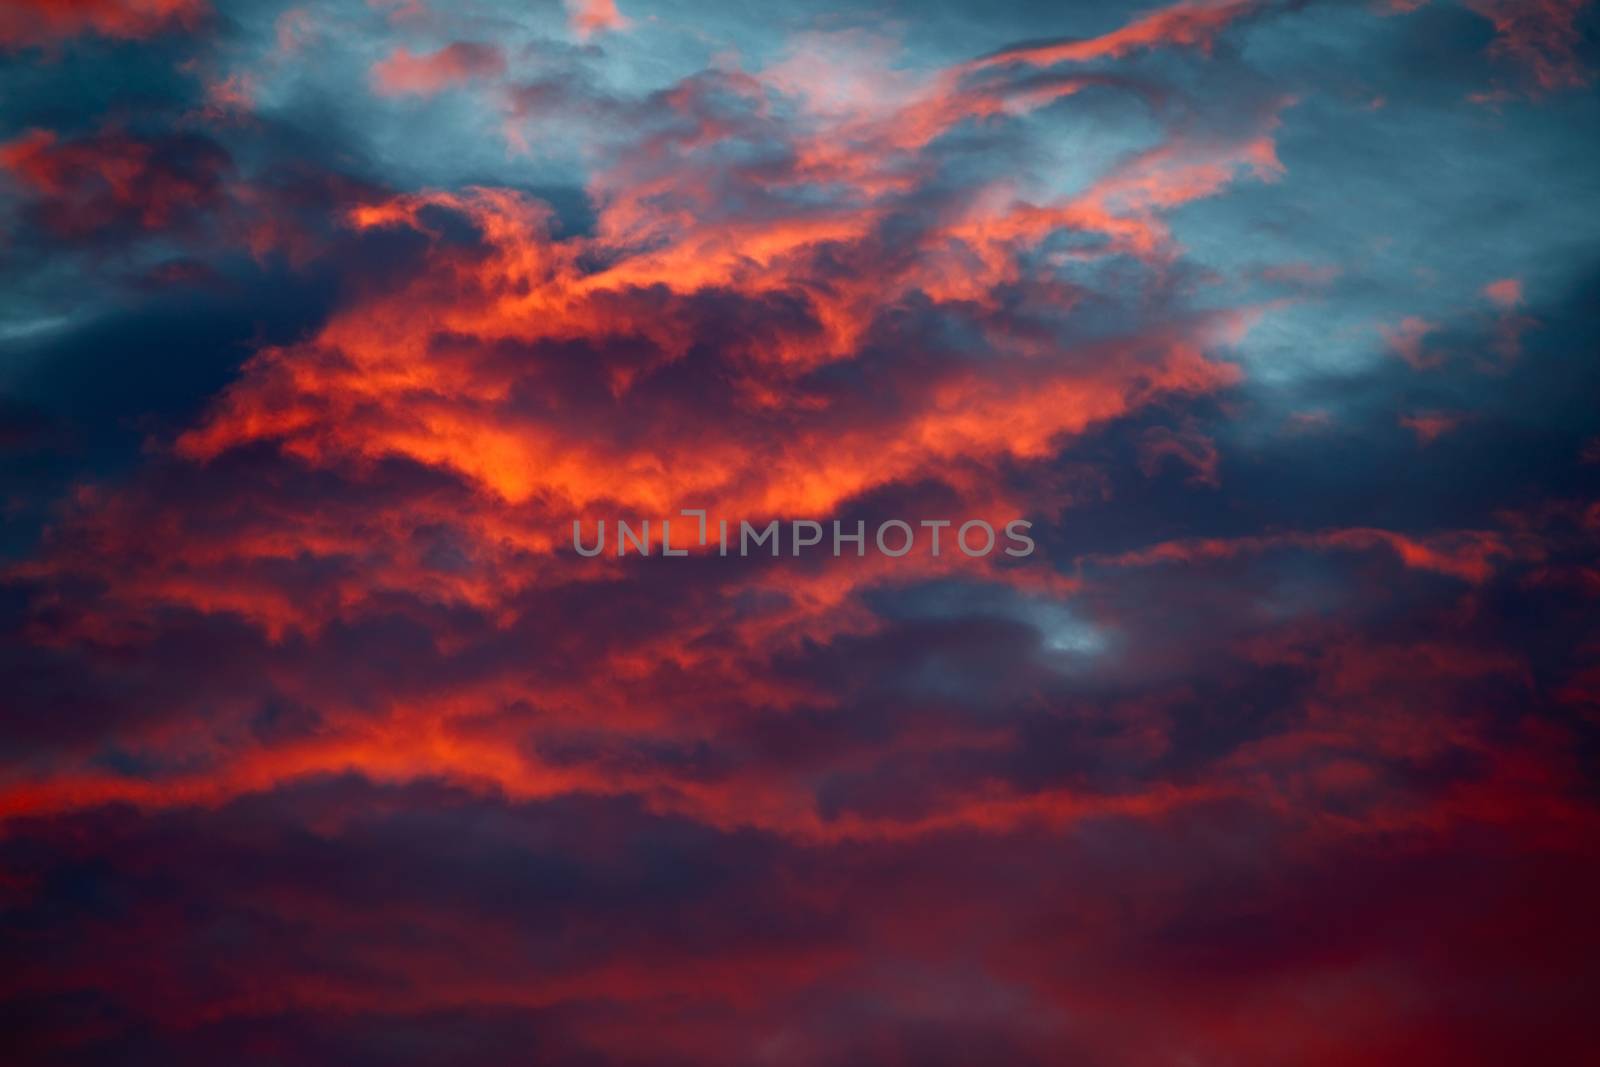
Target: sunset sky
(321, 323)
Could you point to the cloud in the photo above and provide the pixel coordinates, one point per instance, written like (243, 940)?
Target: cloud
(1429, 426)
(1542, 36)
(1187, 24)
(113, 180)
(402, 73)
(1506, 293)
(45, 22)
(1406, 339)
(327, 748)
(589, 17)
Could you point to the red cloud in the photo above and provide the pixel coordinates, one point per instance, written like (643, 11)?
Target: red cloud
(112, 179)
(1469, 555)
(32, 22)
(678, 354)
(1429, 426)
(1406, 341)
(1187, 24)
(1506, 295)
(322, 683)
(1190, 448)
(1540, 35)
(1507, 292)
(403, 73)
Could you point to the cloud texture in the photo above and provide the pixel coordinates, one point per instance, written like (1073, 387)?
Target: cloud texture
(324, 323)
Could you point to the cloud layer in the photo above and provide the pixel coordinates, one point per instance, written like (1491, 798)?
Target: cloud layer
(327, 322)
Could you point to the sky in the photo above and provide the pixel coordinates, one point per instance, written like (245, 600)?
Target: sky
(322, 324)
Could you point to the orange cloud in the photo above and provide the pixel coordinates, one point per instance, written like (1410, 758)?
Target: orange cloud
(715, 340)
(589, 17)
